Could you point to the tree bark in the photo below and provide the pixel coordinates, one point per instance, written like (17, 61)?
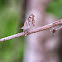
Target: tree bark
(41, 46)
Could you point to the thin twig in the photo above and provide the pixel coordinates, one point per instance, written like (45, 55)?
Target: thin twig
(59, 28)
(55, 30)
(56, 23)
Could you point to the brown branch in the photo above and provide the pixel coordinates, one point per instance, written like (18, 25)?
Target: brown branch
(55, 30)
(56, 23)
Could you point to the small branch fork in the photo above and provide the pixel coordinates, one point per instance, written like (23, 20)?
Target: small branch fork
(56, 23)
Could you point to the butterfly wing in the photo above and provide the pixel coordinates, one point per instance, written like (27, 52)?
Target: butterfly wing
(30, 22)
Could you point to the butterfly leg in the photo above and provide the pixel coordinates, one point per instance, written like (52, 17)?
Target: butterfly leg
(26, 32)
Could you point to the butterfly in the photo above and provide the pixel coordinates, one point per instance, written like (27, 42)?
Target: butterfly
(29, 22)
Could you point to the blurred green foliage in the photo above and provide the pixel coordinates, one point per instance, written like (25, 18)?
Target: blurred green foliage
(55, 7)
(12, 50)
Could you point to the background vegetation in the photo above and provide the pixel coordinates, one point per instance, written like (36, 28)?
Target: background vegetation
(12, 50)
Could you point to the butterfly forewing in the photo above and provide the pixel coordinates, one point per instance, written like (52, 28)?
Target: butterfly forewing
(30, 22)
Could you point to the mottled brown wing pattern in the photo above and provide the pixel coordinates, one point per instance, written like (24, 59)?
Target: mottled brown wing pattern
(30, 22)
